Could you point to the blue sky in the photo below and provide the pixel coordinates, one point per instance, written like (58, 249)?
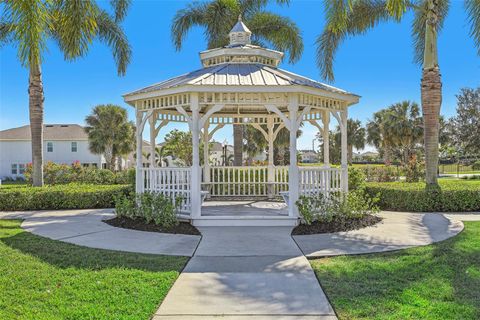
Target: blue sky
(378, 66)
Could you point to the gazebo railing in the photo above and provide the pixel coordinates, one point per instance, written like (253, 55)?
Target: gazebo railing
(171, 181)
(314, 180)
(237, 181)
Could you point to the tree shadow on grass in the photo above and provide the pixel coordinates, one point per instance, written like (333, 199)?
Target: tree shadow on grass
(434, 282)
(66, 255)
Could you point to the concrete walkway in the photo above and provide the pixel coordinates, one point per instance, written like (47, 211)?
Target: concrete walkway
(85, 228)
(246, 272)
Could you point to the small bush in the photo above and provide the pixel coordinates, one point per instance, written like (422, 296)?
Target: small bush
(414, 170)
(381, 173)
(452, 196)
(476, 165)
(69, 196)
(356, 178)
(354, 204)
(151, 207)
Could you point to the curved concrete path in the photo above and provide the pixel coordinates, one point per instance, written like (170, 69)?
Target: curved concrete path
(397, 230)
(85, 228)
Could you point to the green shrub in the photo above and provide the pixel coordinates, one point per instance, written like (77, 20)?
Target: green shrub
(68, 196)
(55, 173)
(354, 204)
(452, 196)
(356, 178)
(471, 177)
(414, 170)
(151, 207)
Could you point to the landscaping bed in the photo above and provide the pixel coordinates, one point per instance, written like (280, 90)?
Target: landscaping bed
(141, 225)
(337, 224)
(55, 197)
(42, 278)
(453, 196)
(437, 282)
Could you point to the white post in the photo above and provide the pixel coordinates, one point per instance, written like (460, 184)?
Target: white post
(152, 122)
(293, 178)
(139, 173)
(195, 187)
(344, 163)
(271, 167)
(326, 138)
(206, 164)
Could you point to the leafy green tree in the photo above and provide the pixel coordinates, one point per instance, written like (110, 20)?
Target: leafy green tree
(355, 137)
(73, 25)
(217, 17)
(466, 123)
(347, 18)
(110, 133)
(178, 145)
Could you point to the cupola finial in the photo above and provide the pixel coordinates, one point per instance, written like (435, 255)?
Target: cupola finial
(240, 34)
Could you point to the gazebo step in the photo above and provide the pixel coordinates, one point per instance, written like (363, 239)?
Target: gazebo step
(244, 221)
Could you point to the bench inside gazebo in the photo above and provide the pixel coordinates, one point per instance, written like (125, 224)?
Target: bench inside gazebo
(241, 84)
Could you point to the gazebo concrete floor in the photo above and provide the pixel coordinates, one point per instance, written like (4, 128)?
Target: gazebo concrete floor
(243, 208)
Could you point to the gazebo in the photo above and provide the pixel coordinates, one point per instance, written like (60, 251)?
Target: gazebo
(240, 84)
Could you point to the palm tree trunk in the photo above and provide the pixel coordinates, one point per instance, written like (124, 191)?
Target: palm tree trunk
(35, 104)
(431, 95)
(350, 153)
(237, 144)
(431, 102)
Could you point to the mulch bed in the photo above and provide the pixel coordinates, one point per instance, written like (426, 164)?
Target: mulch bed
(336, 225)
(141, 225)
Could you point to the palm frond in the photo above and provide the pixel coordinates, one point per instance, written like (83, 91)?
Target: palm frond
(120, 7)
(220, 17)
(74, 26)
(185, 19)
(473, 12)
(6, 34)
(29, 22)
(419, 24)
(112, 34)
(281, 32)
(343, 21)
(397, 8)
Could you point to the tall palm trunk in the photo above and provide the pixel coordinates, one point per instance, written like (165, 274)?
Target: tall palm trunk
(350, 153)
(431, 92)
(237, 144)
(35, 104)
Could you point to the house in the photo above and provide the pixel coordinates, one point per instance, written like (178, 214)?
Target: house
(62, 143)
(308, 156)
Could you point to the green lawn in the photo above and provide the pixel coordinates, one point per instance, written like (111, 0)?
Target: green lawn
(445, 184)
(440, 281)
(45, 279)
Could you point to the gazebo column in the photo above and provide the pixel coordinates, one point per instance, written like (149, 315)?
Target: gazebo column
(344, 149)
(140, 119)
(271, 166)
(326, 138)
(293, 172)
(152, 121)
(206, 164)
(195, 187)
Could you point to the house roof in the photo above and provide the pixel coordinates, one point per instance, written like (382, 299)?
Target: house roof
(243, 74)
(50, 132)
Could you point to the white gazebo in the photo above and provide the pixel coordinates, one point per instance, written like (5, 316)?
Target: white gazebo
(241, 84)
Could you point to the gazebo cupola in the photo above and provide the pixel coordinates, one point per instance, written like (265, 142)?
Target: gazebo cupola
(240, 84)
(240, 50)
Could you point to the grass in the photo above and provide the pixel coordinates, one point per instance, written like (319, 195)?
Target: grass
(46, 279)
(439, 281)
(445, 184)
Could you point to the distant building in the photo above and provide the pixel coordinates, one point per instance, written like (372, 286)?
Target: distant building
(366, 156)
(62, 143)
(308, 156)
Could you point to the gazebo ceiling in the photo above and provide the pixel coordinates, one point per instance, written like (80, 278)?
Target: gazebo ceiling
(244, 78)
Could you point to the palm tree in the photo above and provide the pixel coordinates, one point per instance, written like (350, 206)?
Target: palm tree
(217, 17)
(355, 137)
(110, 133)
(353, 17)
(73, 25)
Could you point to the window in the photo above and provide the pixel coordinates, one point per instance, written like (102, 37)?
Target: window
(21, 168)
(49, 146)
(14, 168)
(74, 146)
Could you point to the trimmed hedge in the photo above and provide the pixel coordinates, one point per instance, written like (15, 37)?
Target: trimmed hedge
(454, 195)
(68, 196)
